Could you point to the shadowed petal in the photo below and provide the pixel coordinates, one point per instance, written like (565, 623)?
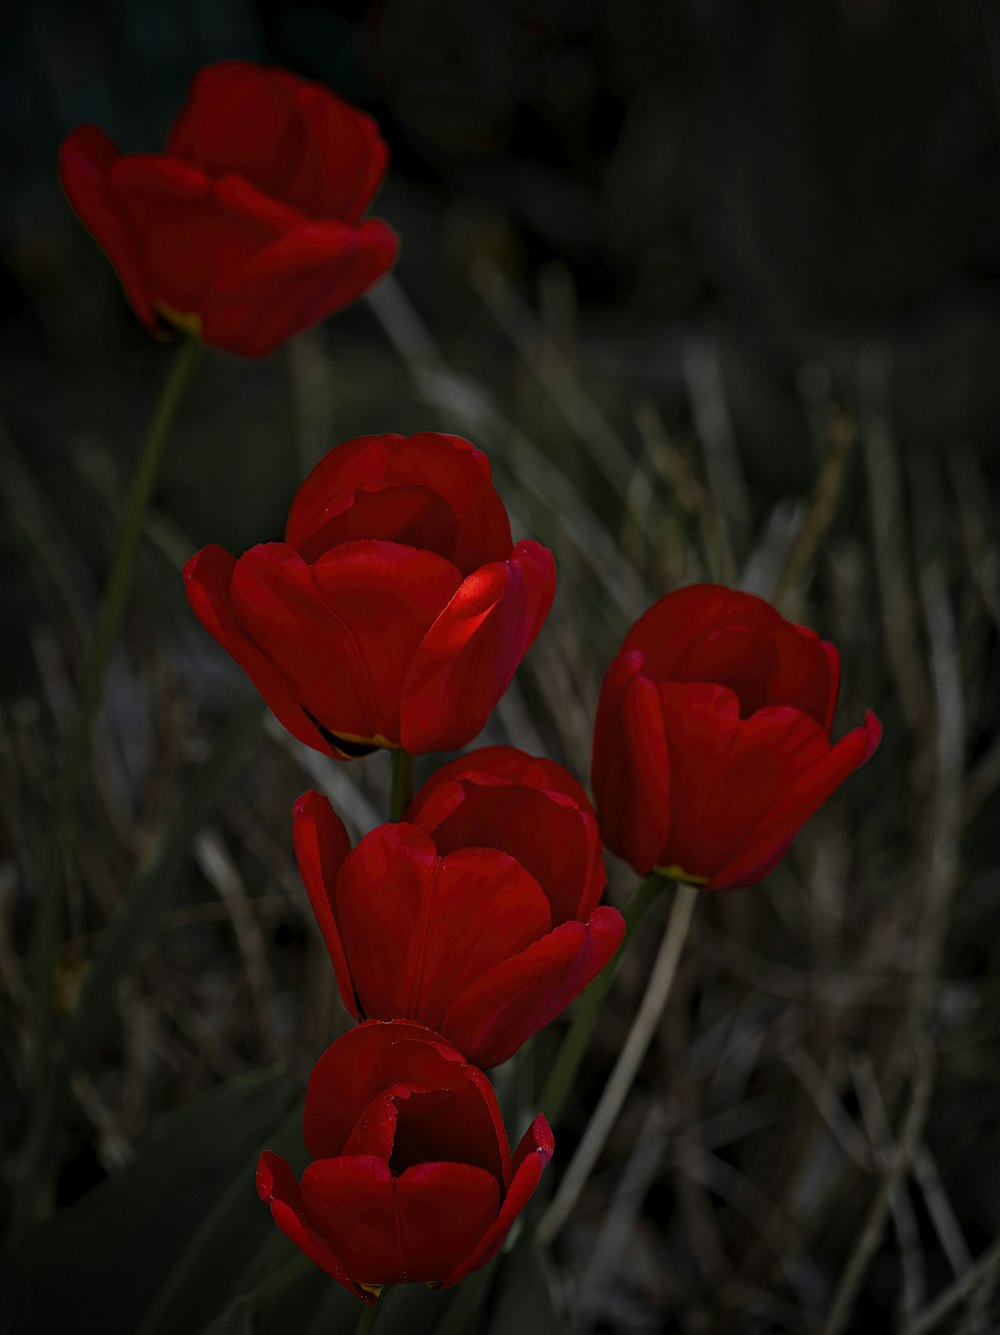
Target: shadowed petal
(412, 923)
(278, 1188)
(764, 846)
(85, 159)
(531, 1156)
(399, 1230)
(497, 1014)
(631, 765)
(208, 578)
(321, 845)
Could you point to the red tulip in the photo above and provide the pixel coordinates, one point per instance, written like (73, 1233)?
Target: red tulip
(396, 610)
(248, 228)
(477, 914)
(412, 1177)
(712, 744)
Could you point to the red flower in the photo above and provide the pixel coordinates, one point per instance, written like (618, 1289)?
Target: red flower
(712, 744)
(396, 610)
(412, 1177)
(247, 229)
(477, 915)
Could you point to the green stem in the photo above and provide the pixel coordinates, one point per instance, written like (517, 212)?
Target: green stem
(61, 818)
(369, 1316)
(577, 1040)
(402, 784)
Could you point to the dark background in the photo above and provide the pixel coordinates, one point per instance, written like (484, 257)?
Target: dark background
(688, 270)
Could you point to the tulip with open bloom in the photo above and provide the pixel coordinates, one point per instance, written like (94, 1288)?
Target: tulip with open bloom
(411, 1178)
(712, 742)
(249, 227)
(477, 914)
(397, 609)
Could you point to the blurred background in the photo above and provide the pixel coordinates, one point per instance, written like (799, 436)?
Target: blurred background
(717, 287)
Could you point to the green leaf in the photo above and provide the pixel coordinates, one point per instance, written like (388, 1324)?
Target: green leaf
(96, 1268)
(231, 1236)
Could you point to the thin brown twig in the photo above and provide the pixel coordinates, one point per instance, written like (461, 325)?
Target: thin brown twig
(871, 1231)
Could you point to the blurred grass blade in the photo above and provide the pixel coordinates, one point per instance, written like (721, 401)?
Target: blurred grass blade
(59, 826)
(123, 944)
(525, 1294)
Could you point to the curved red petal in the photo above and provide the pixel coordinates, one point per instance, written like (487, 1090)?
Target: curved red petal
(471, 652)
(378, 1055)
(330, 487)
(311, 271)
(711, 633)
(85, 158)
(342, 632)
(189, 231)
(390, 1230)
(293, 138)
(321, 845)
(509, 764)
(277, 1187)
(533, 1153)
(498, 1013)
(727, 772)
(630, 771)
(454, 469)
(832, 654)
(412, 923)
(208, 577)
(763, 846)
(550, 837)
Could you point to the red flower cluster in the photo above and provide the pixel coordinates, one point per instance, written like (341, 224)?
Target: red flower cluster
(495, 838)
(397, 609)
(394, 614)
(249, 227)
(712, 745)
(412, 1177)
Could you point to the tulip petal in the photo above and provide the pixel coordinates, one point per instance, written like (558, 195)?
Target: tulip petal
(467, 525)
(85, 159)
(763, 847)
(531, 1156)
(727, 772)
(631, 765)
(416, 1227)
(379, 1055)
(550, 837)
(343, 632)
(321, 845)
(330, 486)
(743, 787)
(709, 633)
(293, 138)
(277, 1187)
(460, 475)
(190, 230)
(471, 652)
(208, 580)
(312, 270)
(498, 1013)
(412, 922)
(505, 763)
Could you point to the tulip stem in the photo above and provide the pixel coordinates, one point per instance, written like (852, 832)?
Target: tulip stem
(62, 813)
(402, 784)
(366, 1322)
(575, 1044)
(626, 1068)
